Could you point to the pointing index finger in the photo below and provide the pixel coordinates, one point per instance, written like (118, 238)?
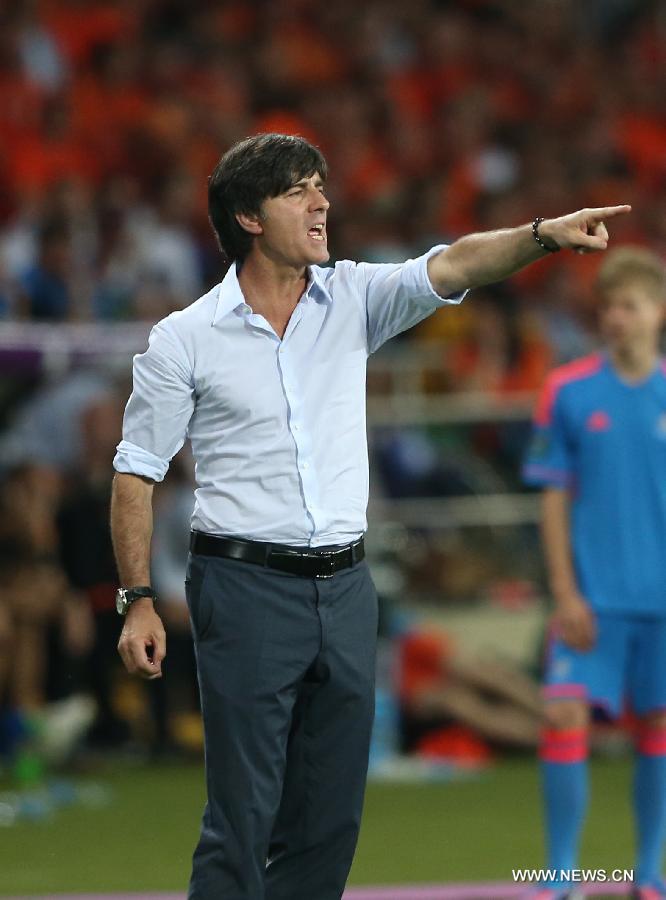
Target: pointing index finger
(607, 212)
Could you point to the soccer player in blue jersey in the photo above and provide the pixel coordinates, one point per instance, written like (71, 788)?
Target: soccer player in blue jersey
(599, 453)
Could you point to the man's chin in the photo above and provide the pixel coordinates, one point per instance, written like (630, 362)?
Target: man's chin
(319, 255)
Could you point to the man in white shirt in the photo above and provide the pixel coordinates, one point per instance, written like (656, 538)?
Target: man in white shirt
(266, 376)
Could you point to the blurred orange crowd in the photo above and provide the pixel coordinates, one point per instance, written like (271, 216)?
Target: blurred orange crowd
(437, 119)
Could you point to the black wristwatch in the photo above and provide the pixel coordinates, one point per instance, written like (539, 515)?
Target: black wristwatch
(125, 597)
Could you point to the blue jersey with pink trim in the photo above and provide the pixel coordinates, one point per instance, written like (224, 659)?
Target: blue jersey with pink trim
(605, 440)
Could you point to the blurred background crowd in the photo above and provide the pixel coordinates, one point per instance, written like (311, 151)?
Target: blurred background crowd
(437, 118)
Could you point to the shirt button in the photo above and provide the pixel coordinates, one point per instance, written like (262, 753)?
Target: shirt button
(306, 465)
(297, 427)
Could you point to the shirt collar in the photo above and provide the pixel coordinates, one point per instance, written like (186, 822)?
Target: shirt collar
(317, 285)
(230, 296)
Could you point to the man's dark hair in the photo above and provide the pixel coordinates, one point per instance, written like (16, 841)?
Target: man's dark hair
(252, 171)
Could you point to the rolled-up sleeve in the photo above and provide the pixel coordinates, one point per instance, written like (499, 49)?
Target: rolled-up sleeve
(159, 409)
(399, 295)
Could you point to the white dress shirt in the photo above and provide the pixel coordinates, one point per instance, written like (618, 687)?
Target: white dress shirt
(277, 427)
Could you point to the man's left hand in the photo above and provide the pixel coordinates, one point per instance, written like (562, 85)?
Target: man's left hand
(584, 231)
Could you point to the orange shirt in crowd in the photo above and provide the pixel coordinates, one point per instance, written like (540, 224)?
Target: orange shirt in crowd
(79, 27)
(423, 658)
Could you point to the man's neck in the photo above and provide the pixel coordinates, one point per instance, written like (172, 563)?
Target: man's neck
(634, 363)
(271, 289)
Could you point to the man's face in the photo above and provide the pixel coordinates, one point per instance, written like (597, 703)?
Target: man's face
(631, 316)
(294, 224)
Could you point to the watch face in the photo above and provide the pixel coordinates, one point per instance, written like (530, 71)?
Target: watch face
(121, 601)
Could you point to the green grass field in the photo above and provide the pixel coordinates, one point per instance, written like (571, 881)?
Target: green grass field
(455, 831)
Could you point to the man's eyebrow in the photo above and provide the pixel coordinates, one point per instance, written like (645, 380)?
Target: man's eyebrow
(318, 183)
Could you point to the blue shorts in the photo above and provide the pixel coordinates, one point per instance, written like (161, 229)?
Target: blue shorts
(626, 668)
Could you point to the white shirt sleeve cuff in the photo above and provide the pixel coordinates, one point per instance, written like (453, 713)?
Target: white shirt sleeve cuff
(133, 460)
(426, 288)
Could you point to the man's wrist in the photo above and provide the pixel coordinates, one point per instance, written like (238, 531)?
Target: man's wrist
(141, 603)
(541, 234)
(126, 597)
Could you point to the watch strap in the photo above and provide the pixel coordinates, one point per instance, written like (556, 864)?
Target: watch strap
(133, 593)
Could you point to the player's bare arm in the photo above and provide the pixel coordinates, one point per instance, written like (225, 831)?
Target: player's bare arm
(484, 258)
(142, 644)
(573, 616)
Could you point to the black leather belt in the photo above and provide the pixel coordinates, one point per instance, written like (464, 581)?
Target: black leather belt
(308, 562)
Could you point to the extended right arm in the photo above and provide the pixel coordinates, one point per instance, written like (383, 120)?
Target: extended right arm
(572, 616)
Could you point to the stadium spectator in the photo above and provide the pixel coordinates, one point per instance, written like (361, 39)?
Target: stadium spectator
(165, 246)
(87, 559)
(42, 59)
(46, 292)
(34, 584)
(441, 684)
(37, 614)
(47, 429)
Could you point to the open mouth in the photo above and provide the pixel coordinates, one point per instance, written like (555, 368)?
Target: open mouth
(317, 232)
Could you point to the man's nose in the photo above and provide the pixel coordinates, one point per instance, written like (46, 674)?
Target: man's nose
(319, 200)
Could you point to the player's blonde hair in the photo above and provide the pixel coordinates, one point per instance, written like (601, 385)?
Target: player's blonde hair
(634, 265)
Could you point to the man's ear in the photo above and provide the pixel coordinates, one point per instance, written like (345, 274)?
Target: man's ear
(250, 223)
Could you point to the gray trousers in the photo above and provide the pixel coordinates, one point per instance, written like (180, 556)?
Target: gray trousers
(286, 671)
